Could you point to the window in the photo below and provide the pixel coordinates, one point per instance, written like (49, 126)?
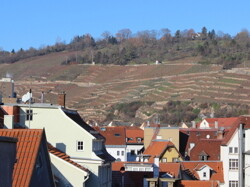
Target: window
(158, 137)
(233, 164)
(118, 153)
(164, 160)
(29, 115)
(175, 159)
(204, 174)
(233, 184)
(203, 157)
(79, 145)
(97, 145)
(139, 140)
(132, 152)
(233, 150)
(122, 153)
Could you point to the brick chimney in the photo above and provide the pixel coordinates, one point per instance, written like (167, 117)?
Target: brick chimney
(62, 99)
(193, 124)
(220, 134)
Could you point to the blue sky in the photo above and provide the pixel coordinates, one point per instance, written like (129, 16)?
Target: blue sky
(33, 23)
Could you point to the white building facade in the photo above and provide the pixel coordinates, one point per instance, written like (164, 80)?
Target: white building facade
(67, 132)
(230, 157)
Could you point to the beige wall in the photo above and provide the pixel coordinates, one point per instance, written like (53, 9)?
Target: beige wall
(67, 172)
(60, 130)
(166, 133)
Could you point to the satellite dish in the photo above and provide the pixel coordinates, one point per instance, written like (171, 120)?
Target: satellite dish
(26, 97)
(208, 136)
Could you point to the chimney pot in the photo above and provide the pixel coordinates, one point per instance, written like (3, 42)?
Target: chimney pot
(62, 99)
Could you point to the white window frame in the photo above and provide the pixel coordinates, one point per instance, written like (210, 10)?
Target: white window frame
(78, 142)
(233, 164)
(204, 174)
(118, 153)
(230, 150)
(233, 184)
(29, 115)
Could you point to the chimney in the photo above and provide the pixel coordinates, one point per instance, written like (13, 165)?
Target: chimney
(220, 134)
(8, 121)
(156, 167)
(193, 124)
(216, 125)
(61, 99)
(42, 97)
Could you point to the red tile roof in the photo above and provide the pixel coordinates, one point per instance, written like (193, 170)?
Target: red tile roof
(216, 166)
(205, 140)
(156, 148)
(65, 157)
(116, 166)
(170, 168)
(28, 144)
(133, 133)
(113, 135)
(245, 120)
(197, 183)
(222, 122)
(209, 147)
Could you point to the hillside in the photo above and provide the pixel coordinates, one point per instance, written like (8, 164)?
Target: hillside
(95, 89)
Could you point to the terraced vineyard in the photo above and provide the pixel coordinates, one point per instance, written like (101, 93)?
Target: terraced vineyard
(94, 89)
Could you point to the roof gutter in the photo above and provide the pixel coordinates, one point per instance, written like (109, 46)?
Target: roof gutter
(85, 179)
(82, 158)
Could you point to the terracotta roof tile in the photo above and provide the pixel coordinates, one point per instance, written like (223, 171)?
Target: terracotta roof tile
(197, 183)
(216, 166)
(156, 148)
(222, 122)
(205, 140)
(27, 151)
(170, 168)
(133, 133)
(211, 148)
(64, 156)
(113, 135)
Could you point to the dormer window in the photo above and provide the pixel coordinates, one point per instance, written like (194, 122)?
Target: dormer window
(203, 157)
(103, 129)
(204, 174)
(139, 140)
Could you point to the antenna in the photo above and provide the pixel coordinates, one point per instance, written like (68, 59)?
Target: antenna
(30, 93)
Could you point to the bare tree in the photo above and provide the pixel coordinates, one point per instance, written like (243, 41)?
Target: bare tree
(123, 34)
(106, 35)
